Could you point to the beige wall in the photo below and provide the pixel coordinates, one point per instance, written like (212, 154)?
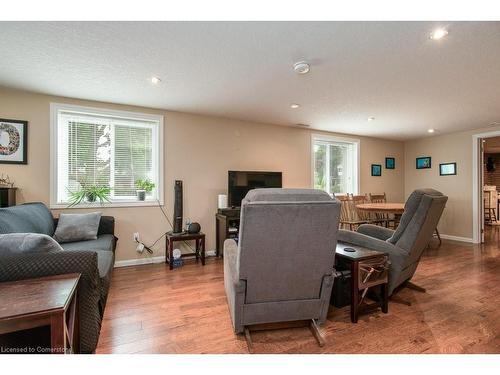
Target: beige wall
(456, 147)
(198, 150)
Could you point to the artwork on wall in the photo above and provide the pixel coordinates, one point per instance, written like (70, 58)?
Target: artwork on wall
(376, 170)
(424, 162)
(13, 141)
(447, 169)
(390, 163)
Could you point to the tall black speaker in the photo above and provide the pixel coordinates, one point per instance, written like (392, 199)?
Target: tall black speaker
(178, 206)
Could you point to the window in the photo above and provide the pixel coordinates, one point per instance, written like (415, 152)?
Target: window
(112, 149)
(335, 164)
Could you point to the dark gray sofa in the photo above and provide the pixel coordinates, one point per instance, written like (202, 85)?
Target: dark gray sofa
(94, 260)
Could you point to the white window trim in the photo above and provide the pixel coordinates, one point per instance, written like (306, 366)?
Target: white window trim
(54, 110)
(332, 138)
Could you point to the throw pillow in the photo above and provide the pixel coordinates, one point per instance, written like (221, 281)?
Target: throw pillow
(77, 227)
(25, 243)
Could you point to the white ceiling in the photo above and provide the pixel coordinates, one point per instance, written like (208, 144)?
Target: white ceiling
(243, 70)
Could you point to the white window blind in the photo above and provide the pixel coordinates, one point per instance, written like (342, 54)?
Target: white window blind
(335, 165)
(105, 150)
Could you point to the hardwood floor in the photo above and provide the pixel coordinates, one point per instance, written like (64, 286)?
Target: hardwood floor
(154, 310)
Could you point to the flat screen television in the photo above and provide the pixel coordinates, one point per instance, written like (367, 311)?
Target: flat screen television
(240, 182)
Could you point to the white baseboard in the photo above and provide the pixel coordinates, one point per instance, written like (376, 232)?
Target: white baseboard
(139, 261)
(456, 238)
(149, 260)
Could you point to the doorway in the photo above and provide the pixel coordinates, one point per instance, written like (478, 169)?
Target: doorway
(486, 187)
(491, 189)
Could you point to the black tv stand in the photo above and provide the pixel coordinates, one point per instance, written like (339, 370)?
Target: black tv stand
(227, 225)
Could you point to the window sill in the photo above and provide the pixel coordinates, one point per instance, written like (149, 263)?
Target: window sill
(147, 203)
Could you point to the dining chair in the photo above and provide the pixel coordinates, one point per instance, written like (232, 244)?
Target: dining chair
(344, 211)
(489, 207)
(350, 216)
(380, 218)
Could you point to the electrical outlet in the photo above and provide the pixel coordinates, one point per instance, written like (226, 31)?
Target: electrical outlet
(136, 236)
(140, 248)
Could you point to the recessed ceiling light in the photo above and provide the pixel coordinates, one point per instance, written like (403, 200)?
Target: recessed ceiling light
(294, 105)
(155, 80)
(301, 67)
(371, 118)
(439, 34)
(431, 130)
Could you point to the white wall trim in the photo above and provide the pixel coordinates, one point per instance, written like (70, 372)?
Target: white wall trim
(456, 238)
(139, 261)
(54, 111)
(333, 138)
(149, 260)
(476, 193)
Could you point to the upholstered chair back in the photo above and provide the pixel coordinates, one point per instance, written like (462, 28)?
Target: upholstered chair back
(287, 243)
(422, 212)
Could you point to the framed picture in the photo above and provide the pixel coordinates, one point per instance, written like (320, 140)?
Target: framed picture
(447, 169)
(13, 141)
(390, 163)
(376, 170)
(424, 162)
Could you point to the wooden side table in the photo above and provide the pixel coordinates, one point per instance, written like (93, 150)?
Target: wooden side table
(353, 259)
(50, 300)
(199, 239)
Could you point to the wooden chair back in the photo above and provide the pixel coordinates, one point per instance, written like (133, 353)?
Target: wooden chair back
(378, 198)
(489, 199)
(344, 208)
(378, 217)
(359, 215)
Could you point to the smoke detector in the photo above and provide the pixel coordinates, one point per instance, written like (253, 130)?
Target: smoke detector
(301, 67)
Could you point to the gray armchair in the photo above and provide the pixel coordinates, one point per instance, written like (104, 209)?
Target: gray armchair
(282, 268)
(406, 244)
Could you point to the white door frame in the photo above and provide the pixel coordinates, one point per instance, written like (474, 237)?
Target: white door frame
(477, 192)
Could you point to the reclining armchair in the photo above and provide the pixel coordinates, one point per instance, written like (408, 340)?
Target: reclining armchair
(282, 268)
(406, 244)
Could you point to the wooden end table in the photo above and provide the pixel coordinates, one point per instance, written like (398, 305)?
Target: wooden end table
(51, 301)
(353, 259)
(199, 238)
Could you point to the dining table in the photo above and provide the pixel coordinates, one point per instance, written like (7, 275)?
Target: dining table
(387, 208)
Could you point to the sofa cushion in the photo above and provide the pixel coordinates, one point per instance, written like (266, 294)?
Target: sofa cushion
(103, 242)
(26, 218)
(27, 243)
(77, 227)
(103, 246)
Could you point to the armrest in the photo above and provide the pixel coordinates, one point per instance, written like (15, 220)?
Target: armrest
(376, 231)
(231, 271)
(29, 266)
(363, 240)
(106, 225)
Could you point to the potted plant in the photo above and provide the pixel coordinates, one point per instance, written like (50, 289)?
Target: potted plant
(143, 187)
(90, 194)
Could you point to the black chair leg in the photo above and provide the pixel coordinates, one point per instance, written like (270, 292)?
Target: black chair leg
(438, 236)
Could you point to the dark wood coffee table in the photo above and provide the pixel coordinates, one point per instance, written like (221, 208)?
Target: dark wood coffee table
(199, 239)
(353, 259)
(46, 301)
